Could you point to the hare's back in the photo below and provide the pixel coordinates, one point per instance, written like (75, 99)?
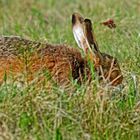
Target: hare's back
(19, 55)
(14, 46)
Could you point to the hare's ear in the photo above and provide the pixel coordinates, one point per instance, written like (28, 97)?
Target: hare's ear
(91, 39)
(78, 27)
(88, 30)
(89, 34)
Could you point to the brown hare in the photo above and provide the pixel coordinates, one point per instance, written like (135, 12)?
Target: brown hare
(31, 58)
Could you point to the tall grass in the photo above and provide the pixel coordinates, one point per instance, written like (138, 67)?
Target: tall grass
(89, 112)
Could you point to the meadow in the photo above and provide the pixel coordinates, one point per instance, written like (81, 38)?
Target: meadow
(89, 112)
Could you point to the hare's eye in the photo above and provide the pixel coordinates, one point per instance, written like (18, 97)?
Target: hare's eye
(115, 62)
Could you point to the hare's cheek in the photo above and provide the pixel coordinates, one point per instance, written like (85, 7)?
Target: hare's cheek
(119, 80)
(97, 62)
(116, 77)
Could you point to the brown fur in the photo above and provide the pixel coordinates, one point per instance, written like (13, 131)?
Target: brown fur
(60, 60)
(30, 58)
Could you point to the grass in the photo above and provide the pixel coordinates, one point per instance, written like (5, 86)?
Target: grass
(44, 113)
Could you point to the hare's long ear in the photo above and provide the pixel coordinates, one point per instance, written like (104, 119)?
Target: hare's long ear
(89, 34)
(91, 39)
(78, 27)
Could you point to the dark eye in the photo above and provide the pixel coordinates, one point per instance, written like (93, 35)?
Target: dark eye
(115, 62)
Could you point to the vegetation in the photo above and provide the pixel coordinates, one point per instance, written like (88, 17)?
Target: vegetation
(89, 112)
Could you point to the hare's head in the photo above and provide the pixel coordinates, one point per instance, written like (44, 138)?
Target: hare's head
(104, 64)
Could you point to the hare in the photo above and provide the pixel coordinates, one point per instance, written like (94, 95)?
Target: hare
(18, 55)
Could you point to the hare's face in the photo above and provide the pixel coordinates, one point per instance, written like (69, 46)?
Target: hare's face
(83, 34)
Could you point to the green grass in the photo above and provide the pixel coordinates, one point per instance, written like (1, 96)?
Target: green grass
(54, 114)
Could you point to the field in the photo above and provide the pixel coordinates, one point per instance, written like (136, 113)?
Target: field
(89, 112)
